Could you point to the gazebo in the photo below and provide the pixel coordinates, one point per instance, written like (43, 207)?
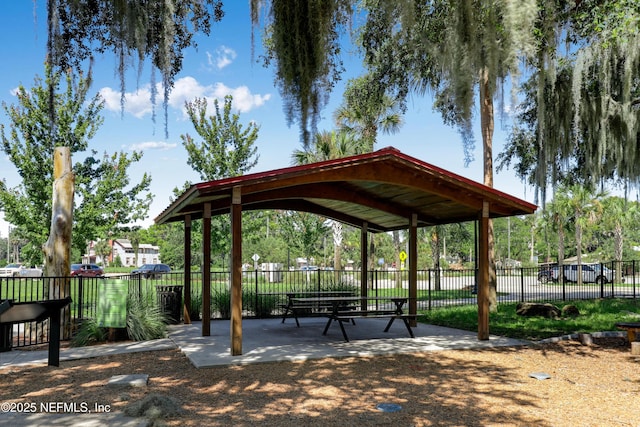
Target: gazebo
(381, 191)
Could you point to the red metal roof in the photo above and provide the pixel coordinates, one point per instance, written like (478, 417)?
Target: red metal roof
(383, 188)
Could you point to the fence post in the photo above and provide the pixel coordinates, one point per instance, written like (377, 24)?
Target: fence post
(256, 287)
(80, 298)
(521, 284)
(139, 279)
(602, 281)
(376, 284)
(633, 273)
(429, 289)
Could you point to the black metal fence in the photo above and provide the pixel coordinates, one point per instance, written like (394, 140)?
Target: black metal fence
(264, 292)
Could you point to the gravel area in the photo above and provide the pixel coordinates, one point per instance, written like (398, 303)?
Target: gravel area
(588, 385)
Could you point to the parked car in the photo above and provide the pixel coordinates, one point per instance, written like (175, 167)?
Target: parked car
(152, 271)
(86, 270)
(10, 270)
(19, 270)
(545, 276)
(591, 273)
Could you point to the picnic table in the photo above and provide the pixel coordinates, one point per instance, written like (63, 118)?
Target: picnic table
(294, 308)
(344, 309)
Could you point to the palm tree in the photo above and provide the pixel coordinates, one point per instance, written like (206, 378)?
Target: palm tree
(580, 206)
(555, 217)
(621, 215)
(365, 113)
(586, 208)
(329, 145)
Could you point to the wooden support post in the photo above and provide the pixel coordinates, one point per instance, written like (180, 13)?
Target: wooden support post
(206, 270)
(364, 256)
(236, 272)
(483, 273)
(187, 269)
(413, 269)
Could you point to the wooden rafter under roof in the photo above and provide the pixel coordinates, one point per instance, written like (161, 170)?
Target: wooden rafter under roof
(383, 189)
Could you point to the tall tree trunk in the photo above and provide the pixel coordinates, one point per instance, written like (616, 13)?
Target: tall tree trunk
(435, 255)
(560, 253)
(396, 246)
(337, 250)
(579, 249)
(57, 249)
(617, 250)
(486, 123)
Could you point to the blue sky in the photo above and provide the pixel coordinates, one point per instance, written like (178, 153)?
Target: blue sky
(220, 65)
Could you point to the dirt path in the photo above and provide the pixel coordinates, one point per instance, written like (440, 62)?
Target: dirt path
(597, 385)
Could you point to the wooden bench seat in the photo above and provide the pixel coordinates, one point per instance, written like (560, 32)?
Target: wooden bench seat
(311, 309)
(368, 313)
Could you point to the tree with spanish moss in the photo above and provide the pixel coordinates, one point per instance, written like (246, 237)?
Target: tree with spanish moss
(580, 113)
(458, 50)
(158, 30)
(303, 43)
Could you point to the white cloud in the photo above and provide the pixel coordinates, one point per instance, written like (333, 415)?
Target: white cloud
(137, 103)
(185, 89)
(224, 57)
(243, 100)
(152, 145)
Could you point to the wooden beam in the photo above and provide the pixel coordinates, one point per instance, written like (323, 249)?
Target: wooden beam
(236, 272)
(483, 273)
(364, 251)
(413, 268)
(187, 269)
(338, 191)
(206, 270)
(308, 206)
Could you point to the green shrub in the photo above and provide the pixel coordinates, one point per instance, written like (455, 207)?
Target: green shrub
(145, 320)
(195, 307)
(221, 302)
(260, 305)
(340, 286)
(89, 333)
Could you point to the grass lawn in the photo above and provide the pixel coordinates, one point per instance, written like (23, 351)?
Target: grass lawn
(595, 316)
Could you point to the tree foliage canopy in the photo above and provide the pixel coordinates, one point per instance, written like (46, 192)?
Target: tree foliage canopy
(105, 196)
(227, 149)
(367, 111)
(155, 29)
(585, 124)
